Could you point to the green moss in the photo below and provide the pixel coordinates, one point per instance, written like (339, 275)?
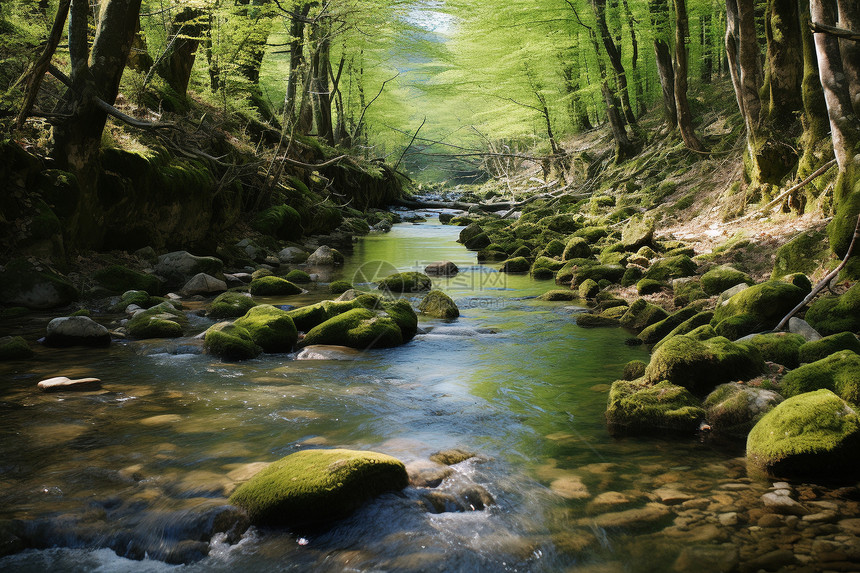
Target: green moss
(161, 321)
(588, 320)
(270, 328)
(642, 314)
(230, 305)
(634, 369)
(14, 348)
(474, 238)
(562, 223)
(592, 234)
(804, 253)
(816, 433)
(724, 277)
(260, 273)
(632, 275)
(408, 282)
(298, 277)
(635, 408)
(439, 305)
(545, 268)
(779, 347)
(359, 328)
(671, 268)
(230, 342)
(490, 256)
(686, 291)
(833, 314)
(118, 278)
(44, 224)
(565, 273)
(733, 409)
(339, 287)
(315, 486)
(576, 248)
(799, 280)
(696, 321)
(649, 286)
(839, 372)
(701, 365)
(639, 232)
(738, 326)
(281, 221)
(607, 257)
(702, 333)
(555, 248)
(273, 286)
(516, 265)
(400, 311)
(817, 349)
(588, 289)
(611, 273)
(658, 330)
(767, 303)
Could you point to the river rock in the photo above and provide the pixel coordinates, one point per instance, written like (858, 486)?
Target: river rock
(359, 328)
(315, 486)
(408, 282)
(14, 348)
(803, 328)
(707, 559)
(424, 473)
(733, 409)
(328, 352)
(669, 496)
(204, 284)
(441, 269)
(325, 256)
(780, 501)
(649, 516)
(636, 408)
(76, 331)
(161, 321)
(570, 487)
(438, 305)
(638, 232)
(180, 266)
(230, 342)
(33, 286)
(63, 384)
(231, 305)
(452, 456)
(270, 328)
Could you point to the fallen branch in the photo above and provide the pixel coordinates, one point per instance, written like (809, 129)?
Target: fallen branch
(825, 281)
(313, 166)
(834, 31)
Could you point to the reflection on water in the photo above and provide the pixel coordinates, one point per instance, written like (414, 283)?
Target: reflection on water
(141, 464)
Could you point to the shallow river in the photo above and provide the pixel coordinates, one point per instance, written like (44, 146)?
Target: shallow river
(513, 379)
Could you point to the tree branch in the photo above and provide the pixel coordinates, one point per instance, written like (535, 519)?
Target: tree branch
(834, 31)
(396, 165)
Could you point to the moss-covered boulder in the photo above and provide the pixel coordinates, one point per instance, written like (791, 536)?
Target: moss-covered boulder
(14, 348)
(611, 273)
(700, 365)
(576, 248)
(839, 372)
(439, 305)
(229, 341)
(161, 321)
(339, 287)
(799, 280)
(400, 311)
(655, 332)
(638, 232)
(274, 286)
(705, 332)
(325, 256)
(298, 276)
(671, 268)
(312, 487)
(409, 282)
(817, 349)
(767, 303)
(649, 286)
(641, 314)
(634, 369)
(469, 232)
(515, 265)
(592, 234)
(118, 278)
(358, 328)
(589, 320)
(555, 248)
(733, 409)
(696, 321)
(803, 254)
(545, 268)
(571, 267)
(779, 347)
(490, 255)
(29, 285)
(636, 408)
(230, 305)
(813, 434)
(588, 289)
(832, 314)
(738, 326)
(722, 278)
(632, 275)
(137, 298)
(281, 221)
(558, 295)
(270, 328)
(179, 266)
(687, 290)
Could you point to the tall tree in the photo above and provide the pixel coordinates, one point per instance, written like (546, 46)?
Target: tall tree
(614, 54)
(685, 120)
(659, 10)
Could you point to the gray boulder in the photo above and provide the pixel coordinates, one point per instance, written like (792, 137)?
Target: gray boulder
(204, 284)
(325, 256)
(76, 331)
(292, 255)
(179, 267)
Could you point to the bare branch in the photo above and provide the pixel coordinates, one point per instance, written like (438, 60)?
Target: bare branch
(834, 31)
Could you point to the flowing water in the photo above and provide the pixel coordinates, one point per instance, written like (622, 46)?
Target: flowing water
(112, 480)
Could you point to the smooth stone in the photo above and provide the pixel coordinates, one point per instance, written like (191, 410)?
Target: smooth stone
(707, 559)
(770, 520)
(850, 526)
(728, 518)
(827, 516)
(292, 255)
(647, 516)
(570, 487)
(328, 352)
(441, 269)
(452, 456)
(61, 383)
(782, 503)
(803, 328)
(325, 256)
(670, 496)
(770, 561)
(76, 331)
(424, 473)
(606, 501)
(201, 283)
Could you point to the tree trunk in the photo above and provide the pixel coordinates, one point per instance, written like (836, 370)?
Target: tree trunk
(139, 59)
(685, 120)
(815, 141)
(785, 63)
(849, 18)
(659, 10)
(185, 34)
(297, 33)
(321, 69)
(634, 44)
(614, 58)
(707, 52)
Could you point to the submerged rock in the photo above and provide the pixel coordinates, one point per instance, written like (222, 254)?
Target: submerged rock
(409, 282)
(452, 456)
(588, 320)
(441, 269)
(76, 331)
(316, 486)
(439, 305)
(328, 352)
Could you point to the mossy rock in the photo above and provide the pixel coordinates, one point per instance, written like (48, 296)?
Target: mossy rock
(439, 305)
(358, 328)
(767, 302)
(474, 238)
(274, 286)
(722, 278)
(833, 314)
(686, 251)
(632, 275)
(705, 332)
(230, 305)
(701, 365)
(588, 289)
(307, 317)
(611, 273)
(638, 232)
(588, 320)
(270, 328)
(312, 487)
(230, 341)
(687, 290)
(592, 234)
(118, 278)
(803, 254)
(642, 314)
(408, 282)
(779, 347)
(576, 248)
(136, 297)
(515, 265)
(813, 434)
(298, 277)
(491, 256)
(655, 332)
(281, 221)
(799, 280)
(636, 408)
(671, 268)
(736, 327)
(839, 372)
(545, 268)
(649, 286)
(565, 274)
(260, 273)
(400, 311)
(733, 409)
(14, 348)
(696, 321)
(634, 370)
(339, 287)
(161, 321)
(819, 349)
(562, 223)
(25, 284)
(555, 248)
(613, 258)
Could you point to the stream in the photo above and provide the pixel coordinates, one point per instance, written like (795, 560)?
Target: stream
(112, 480)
